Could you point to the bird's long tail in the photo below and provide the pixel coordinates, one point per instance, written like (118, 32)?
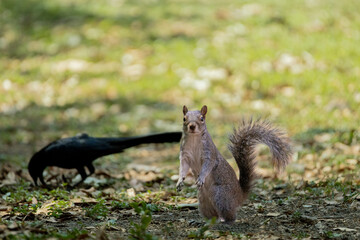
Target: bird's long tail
(242, 146)
(127, 142)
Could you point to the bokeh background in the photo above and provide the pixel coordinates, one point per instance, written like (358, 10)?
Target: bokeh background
(122, 68)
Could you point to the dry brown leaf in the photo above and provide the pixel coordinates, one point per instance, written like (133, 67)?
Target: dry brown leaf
(83, 200)
(188, 205)
(108, 191)
(90, 190)
(136, 184)
(3, 227)
(44, 209)
(330, 202)
(131, 192)
(13, 226)
(52, 220)
(273, 214)
(5, 208)
(344, 229)
(352, 162)
(9, 180)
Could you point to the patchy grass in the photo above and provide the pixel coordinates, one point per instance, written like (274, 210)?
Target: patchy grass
(321, 209)
(121, 68)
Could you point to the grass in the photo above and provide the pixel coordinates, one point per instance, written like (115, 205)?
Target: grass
(64, 56)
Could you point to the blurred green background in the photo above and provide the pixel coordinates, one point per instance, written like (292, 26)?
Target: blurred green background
(119, 68)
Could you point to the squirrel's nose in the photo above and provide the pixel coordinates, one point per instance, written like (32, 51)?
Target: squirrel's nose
(192, 127)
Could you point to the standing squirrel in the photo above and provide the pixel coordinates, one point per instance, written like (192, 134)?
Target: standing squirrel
(220, 192)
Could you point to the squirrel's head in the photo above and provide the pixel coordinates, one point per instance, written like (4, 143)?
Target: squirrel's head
(194, 121)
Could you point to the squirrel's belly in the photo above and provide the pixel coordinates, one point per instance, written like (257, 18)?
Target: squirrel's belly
(194, 161)
(193, 153)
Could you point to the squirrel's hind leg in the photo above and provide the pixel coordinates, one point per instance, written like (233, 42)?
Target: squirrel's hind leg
(227, 214)
(225, 203)
(206, 207)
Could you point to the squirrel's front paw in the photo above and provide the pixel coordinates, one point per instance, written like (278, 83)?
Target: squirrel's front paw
(199, 182)
(179, 185)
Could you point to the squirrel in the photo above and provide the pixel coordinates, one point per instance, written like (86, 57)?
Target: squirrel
(220, 192)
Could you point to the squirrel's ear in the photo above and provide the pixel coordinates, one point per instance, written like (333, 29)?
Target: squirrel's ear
(204, 110)
(185, 110)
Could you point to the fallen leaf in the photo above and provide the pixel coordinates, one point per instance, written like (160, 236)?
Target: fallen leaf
(10, 179)
(136, 184)
(4, 208)
(13, 226)
(111, 227)
(319, 225)
(131, 192)
(108, 191)
(329, 202)
(188, 205)
(80, 194)
(44, 209)
(96, 194)
(273, 214)
(342, 147)
(327, 169)
(140, 167)
(351, 161)
(3, 227)
(344, 229)
(174, 177)
(83, 200)
(51, 219)
(90, 190)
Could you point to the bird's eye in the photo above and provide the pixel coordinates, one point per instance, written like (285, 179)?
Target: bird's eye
(202, 118)
(184, 119)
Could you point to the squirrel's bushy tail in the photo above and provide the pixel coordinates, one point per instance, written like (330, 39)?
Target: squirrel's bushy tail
(242, 146)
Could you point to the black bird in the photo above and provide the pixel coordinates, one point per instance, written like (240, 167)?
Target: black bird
(80, 151)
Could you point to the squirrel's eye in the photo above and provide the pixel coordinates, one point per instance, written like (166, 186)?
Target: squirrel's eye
(184, 119)
(202, 119)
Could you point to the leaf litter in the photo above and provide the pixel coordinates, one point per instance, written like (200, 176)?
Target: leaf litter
(281, 208)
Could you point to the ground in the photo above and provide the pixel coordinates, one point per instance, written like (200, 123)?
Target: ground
(124, 68)
(112, 202)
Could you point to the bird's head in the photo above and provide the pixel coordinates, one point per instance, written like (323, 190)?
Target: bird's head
(35, 168)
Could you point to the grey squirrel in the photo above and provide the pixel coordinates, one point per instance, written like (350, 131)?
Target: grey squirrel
(220, 192)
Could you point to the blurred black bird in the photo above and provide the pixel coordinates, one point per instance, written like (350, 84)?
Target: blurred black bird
(80, 151)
